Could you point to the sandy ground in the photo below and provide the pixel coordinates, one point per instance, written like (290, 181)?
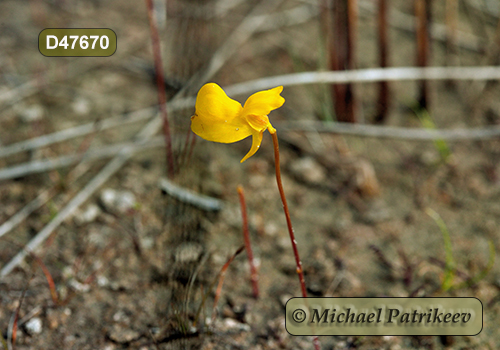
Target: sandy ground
(136, 268)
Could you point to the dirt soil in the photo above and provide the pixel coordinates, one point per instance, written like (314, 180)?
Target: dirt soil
(135, 267)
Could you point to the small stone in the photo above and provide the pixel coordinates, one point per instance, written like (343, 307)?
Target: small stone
(309, 170)
(271, 229)
(120, 316)
(430, 157)
(67, 312)
(34, 326)
(78, 286)
(188, 252)
(376, 211)
(147, 242)
(117, 201)
(89, 214)
(283, 243)
(123, 335)
(55, 317)
(102, 281)
(81, 106)
(32, 113)
(52, 318)
(365, 178)
(231, 324)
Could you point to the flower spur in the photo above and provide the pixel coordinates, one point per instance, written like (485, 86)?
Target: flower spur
(219, 118)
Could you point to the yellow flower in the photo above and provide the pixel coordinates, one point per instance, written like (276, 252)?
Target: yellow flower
(219, 118)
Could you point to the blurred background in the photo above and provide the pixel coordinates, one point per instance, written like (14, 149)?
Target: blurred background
(117, 223)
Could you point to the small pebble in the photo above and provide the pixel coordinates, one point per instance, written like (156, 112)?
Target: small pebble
(34, 326)
(188, 252)
(309, 170)
(32, 114)
(117, 201)
(123, 335)
(81, 106)
(229, 323)
(89, 214)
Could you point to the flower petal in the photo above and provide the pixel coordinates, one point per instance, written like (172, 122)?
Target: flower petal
(256, 141)
(263, 102)
(217, 117)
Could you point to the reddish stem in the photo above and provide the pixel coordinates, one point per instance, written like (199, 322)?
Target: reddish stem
(160, 83)
(300, 272)
(50, 280)
(16, 317)
(246, 236)
(222, 276)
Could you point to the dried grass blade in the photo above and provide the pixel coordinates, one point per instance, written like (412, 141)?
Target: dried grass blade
(222, 276)
(187, 196)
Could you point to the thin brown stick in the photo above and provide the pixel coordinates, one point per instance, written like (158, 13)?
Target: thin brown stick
(52, 286)
(341, 42)
(352, 24)
(451, 20)
(383, 98)
(248, 245)
(160, 82)
(222, 276)
(422, 14)
(12, 331)
(336, 42)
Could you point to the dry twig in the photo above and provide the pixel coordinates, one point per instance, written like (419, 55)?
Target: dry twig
(393, 132)
(368, 75)
(187, 196)
(40, 166)
(70, 133)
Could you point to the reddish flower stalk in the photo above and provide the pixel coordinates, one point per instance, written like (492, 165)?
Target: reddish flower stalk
(160, 83)
(300, 271)
(248, 246)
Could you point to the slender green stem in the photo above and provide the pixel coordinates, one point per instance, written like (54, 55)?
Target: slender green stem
(450, 266)
(300, 272)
